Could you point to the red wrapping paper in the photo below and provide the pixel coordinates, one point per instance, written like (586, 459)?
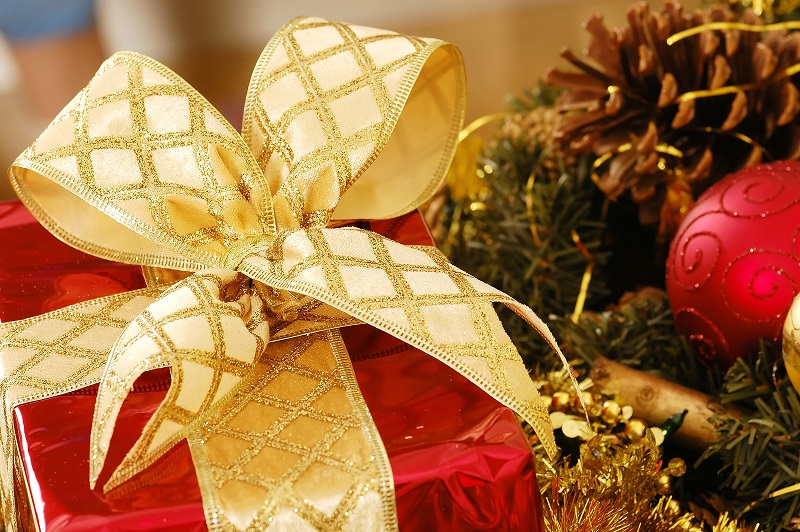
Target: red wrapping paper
(459, 458)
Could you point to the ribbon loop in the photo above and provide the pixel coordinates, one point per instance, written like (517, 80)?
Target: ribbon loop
(171, 181)
(323, 115)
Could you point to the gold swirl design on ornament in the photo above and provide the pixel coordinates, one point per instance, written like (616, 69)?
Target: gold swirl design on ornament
(696, 255)
(764, 194)
(770, 280)
(705, 339)
(796, 242)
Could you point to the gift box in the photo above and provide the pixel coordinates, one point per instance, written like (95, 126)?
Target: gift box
(459, 458)
(325, 369)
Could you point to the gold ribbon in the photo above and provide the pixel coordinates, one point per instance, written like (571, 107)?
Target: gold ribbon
(341, 122)
(734, 89)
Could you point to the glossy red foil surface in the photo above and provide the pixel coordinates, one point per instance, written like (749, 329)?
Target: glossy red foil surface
(39, 273)
(459, 459)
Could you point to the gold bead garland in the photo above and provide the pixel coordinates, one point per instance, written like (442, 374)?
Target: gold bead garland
(618, 481)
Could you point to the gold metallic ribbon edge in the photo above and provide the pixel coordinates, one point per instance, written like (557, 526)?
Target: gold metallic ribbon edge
(210, 502)
(5, 326)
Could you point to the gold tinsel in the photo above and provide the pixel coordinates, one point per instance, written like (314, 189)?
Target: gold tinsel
(617, 483)
(704, 106)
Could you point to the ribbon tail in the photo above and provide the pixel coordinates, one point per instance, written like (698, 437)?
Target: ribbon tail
(298, 450)
(278, 430)
(209, 340)
(415, 294)
(52, 354)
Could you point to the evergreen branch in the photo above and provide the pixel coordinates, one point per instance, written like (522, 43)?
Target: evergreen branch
(761, 454)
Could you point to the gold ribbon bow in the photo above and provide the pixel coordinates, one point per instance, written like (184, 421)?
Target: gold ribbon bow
(262, 385)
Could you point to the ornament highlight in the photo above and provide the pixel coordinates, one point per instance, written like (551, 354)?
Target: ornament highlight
(734, 266)
(791, 343)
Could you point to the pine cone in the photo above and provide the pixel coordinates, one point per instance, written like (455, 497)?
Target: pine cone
(535, 129)
(633, 97)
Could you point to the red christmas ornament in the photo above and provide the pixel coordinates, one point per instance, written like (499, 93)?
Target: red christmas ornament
(734, 266)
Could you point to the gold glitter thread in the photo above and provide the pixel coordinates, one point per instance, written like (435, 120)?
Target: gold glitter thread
(340, 121)
(363, 155)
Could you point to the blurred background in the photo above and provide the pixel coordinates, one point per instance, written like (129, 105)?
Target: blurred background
(507, 46)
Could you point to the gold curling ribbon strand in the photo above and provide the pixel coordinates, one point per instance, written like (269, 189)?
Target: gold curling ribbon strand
(140, 167)
(709, 93)
(735, 134)
(462, 181)
(529, 209)
(794, 488)
(600, 161)
(478, 123)
(622, 148)
(463, 177)
(711, 26)
(732, 89)
(585, 279)
(740, 136)
(463, 135)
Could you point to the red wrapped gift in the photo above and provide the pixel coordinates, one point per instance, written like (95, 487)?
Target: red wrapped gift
(262, 332)
(459, 458)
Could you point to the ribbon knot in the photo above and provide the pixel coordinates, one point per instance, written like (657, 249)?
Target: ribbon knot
(351, 122)
(245, 247)
(286, 306)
